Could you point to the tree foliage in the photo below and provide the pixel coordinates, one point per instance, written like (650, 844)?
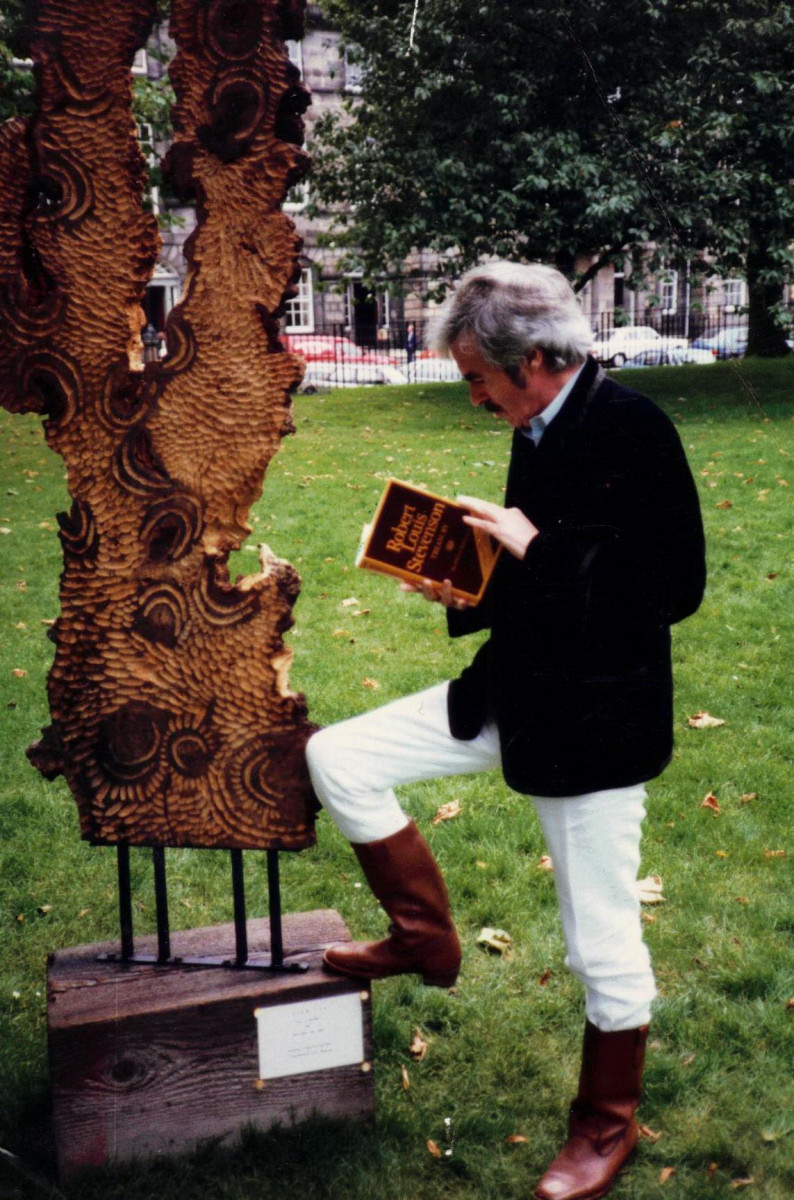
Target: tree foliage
(543, 130)
(16, 83)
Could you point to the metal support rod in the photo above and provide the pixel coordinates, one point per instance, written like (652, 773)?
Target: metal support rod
(161, 903)
(125, 901)
(238, 891)
(274, 910)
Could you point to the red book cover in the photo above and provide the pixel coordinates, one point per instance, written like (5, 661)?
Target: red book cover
(416, 535)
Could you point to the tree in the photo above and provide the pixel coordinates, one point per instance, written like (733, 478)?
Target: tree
(544, 130)
(736, 139)
(16, 83)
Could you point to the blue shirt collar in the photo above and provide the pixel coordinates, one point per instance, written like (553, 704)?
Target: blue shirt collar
(538, 424)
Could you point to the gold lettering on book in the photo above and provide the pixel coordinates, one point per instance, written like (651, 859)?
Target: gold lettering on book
(401, 530)
(416, 563)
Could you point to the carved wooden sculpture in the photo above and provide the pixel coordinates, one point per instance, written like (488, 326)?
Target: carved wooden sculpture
(172, 719)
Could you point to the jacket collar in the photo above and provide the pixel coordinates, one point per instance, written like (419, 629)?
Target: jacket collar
(577, 405)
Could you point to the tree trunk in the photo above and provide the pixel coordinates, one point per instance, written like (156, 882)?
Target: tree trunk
(765, 338)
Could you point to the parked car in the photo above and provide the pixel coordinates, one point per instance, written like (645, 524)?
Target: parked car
(431, 369)
(613, 346)
(728, 343)
(323, 347)
(669, 356)
(322, 376)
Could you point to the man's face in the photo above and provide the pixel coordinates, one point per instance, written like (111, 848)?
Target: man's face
(492, 388)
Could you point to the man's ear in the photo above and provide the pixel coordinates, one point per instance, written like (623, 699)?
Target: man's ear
(534, 361)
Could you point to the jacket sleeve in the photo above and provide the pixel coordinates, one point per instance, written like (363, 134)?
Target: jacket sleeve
(641, 563)
(470, 620)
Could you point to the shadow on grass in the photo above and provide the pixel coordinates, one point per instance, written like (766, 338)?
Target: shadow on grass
(319, 1159)
(315, 1160)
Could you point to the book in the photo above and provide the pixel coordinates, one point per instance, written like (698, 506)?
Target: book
(417, 535)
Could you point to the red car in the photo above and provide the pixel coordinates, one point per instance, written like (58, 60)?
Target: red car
(323, 347)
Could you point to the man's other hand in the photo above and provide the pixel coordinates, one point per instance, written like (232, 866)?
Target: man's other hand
(508, 525)
(437, 593)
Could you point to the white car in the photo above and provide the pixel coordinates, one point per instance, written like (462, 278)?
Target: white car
(432, 370)
(321, 376)
(670, 357)
(614, 346)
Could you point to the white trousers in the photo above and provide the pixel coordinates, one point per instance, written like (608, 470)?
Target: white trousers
(593, 839)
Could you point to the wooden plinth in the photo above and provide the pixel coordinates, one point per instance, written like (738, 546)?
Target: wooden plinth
(148, 1061)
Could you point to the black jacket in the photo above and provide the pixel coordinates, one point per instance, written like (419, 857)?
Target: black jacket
(577, 671)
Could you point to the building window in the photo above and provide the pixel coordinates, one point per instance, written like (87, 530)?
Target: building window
(735, 291)
(299, 311)
(354, 69)
(295, 52)
(668, 292)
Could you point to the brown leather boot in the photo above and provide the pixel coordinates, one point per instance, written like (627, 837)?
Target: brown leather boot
(602, 1131)
(404, 876)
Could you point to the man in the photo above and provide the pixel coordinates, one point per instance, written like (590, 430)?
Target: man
(571, 694)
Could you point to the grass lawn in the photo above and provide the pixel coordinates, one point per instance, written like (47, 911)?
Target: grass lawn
(503, 1051)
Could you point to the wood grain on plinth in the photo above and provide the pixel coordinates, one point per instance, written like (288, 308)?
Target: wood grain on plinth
(148, 1061)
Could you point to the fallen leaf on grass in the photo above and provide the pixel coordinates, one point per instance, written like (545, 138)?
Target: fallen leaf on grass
(516, 1139)
(351, 602)
(687, 1059)
(418, 1047)
(649, 890)
(405, 1078)
(711, 801)
(712, 1169)
(341, 633)
(742, 899)
(495, 941)
(433, 1148)
(724, 504)
(545, 977)
(746, 797)
(703, 720)
(18, 673)
(774, 854)
(740, 1183)
(721, 854)
(666, 1173)
(370, 683)
(649, 1134)
(790, 1005)
(545, 863)
(361, 612)
(4, 529)
(447, 811)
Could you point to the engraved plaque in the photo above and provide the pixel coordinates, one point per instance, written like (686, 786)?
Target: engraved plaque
(312, 1035)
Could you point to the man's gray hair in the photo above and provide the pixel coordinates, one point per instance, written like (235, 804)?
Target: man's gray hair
(510, 309)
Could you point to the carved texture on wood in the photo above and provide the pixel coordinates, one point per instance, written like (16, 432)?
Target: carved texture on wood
(172, 718)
